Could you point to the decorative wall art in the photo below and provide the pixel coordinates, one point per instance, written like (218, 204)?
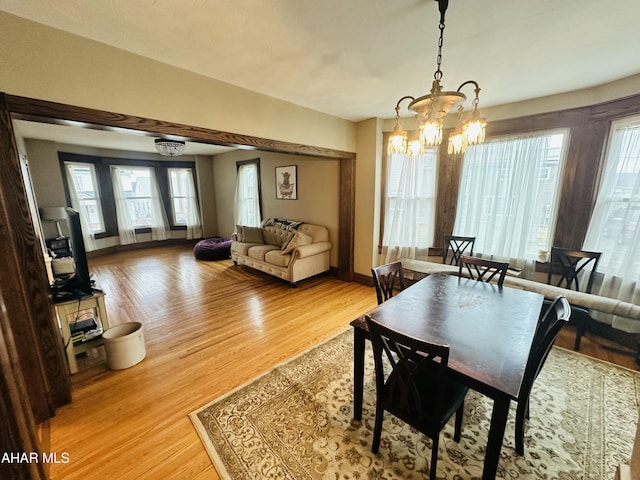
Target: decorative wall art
(286, 183)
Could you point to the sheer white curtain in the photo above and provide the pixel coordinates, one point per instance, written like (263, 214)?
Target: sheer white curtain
(184, 195)
(409, 210)
(88, 236)
(246, 207)
(138, 203)
(614, 228)
(509, 194)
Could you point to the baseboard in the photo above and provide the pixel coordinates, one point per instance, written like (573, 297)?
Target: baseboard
(141, 245)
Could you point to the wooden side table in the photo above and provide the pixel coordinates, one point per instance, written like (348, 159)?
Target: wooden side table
(69, 311)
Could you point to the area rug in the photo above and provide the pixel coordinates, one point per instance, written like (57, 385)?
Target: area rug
(296, 422)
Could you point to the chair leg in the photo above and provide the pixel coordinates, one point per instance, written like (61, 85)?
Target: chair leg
(377, 430)
(434, 457)
(522, 412)
(458, 425)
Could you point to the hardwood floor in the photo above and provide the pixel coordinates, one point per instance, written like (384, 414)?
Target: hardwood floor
(209, 327)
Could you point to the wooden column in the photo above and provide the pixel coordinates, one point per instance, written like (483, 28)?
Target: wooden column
(447, 187)
(17, 427)
(346, 219)
(25, 287)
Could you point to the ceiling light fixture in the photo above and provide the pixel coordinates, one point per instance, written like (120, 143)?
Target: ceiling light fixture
(169, 148)
(431, 109)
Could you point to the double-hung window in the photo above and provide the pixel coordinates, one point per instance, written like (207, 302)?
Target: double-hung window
(85, 196)
(614, 228)
(247, 197)
(509, 193)
(138, 203)
(184, 204)
(409, 209)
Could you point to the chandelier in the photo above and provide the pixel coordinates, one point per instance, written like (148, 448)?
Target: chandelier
(169, 148)
(431, 109)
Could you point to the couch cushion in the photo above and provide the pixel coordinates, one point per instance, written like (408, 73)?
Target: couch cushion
(277, 258)
(242, 248)
(298, 239)
(276, 236)
(249, 234)
(258, 252)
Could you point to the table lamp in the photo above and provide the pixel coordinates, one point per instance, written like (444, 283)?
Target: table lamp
(54, 214)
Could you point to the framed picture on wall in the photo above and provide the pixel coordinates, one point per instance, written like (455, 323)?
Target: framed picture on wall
(286, 183)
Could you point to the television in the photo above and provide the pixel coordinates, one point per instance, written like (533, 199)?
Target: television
(80, 283)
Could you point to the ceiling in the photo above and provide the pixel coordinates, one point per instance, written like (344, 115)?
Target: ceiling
(354, 59)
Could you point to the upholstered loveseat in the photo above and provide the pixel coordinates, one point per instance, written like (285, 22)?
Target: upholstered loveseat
(286, 249)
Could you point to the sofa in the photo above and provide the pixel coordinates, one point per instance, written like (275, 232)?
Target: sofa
(289, 250)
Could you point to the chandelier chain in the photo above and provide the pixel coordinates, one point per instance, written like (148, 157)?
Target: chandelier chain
(442, 5)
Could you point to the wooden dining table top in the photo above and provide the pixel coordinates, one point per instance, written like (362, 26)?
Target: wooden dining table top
(489, 329)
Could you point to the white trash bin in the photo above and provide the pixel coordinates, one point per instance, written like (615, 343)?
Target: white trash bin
(124, 345)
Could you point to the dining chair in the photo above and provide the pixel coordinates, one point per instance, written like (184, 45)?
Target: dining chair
(418, 389)
(554, 318)
(457, 246)
(568, 269)
(388, 278)
(482, 269)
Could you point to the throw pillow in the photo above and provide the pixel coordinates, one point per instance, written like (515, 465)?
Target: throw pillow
(249, 234)
(297, 240)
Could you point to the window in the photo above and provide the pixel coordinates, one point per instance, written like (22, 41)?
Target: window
(409, 209)
(614, 228)
(138, 203)
(247, 198)
(135, 186)
(139, 196)
(85, 196)
(509, 193)
(184, 205)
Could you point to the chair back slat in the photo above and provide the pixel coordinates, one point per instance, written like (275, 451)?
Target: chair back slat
(570, 266)
(387, 279)
(482, 269)
(418, 369)
(456, 246)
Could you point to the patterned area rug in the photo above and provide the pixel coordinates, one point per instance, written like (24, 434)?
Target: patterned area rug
(295, 422)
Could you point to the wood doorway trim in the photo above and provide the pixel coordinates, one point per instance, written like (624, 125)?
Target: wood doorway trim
(25, 108)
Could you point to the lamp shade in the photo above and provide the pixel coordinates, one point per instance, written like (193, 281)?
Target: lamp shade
(53, 213)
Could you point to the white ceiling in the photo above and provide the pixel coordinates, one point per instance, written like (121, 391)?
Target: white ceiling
(355, 58)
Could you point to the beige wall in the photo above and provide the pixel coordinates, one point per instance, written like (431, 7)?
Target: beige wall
(318, 191)
(48, 64)
(368, 201)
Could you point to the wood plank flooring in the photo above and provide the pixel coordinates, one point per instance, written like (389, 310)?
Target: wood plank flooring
(209, 327)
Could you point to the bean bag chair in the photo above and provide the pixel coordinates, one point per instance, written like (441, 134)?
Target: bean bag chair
(214, 248)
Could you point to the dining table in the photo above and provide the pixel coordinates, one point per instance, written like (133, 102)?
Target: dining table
(489, 330)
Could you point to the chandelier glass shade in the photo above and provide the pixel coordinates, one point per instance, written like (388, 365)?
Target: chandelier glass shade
(169, 148)
(431, 109)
